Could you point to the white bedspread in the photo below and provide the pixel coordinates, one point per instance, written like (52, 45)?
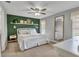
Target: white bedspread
(27, 41)
(70, 46)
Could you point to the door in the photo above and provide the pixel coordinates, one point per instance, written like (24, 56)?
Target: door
(59, 28)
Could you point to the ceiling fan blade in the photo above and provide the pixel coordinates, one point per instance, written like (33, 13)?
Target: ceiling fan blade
(32, 8)
(43, 13)
(43, 9)
(8, 1)
(35, 9)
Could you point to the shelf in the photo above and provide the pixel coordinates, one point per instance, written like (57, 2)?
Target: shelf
(23, 24)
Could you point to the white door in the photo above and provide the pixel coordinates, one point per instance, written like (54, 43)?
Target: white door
(59, 24)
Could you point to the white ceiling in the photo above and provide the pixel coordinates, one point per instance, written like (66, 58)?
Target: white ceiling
(18, 7)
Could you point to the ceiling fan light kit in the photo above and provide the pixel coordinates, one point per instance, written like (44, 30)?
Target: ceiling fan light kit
(37, 14)
(37, 11)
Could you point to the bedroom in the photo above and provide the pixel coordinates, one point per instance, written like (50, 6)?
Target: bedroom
(30, 26)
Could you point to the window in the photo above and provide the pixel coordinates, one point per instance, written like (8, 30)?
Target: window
(75, 23)
(43, 23)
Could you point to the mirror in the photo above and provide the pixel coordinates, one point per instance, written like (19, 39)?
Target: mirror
(59, 28)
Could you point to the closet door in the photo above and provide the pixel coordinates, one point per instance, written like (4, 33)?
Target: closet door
(59, 28)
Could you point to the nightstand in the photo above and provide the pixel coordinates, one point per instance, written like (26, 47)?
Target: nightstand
(12, 38)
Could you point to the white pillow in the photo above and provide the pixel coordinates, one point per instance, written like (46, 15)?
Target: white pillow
(24, 32)
(33, 32)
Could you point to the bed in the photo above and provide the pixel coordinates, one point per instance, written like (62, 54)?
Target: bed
(28, 38)
(68, 48)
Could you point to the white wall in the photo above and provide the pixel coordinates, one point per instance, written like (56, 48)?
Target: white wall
(3, 30)
(49, 27)
(0, 32)
(67, 23)
(50, 22)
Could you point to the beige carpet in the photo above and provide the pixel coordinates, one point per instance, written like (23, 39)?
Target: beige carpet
(40, 51)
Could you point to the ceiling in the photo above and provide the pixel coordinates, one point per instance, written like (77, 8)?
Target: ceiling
(21, 7)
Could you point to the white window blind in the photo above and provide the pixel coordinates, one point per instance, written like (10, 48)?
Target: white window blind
(75, 25)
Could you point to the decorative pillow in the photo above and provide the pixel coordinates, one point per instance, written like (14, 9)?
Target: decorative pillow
(29, 31)
(24, 32)
(33, 32)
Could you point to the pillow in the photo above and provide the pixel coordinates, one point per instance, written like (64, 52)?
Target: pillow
(33, 32)
(24, 32)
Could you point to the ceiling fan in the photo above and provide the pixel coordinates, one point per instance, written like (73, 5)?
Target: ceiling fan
(37, 11)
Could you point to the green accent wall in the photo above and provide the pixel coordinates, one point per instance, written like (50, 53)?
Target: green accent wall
(14, 18)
